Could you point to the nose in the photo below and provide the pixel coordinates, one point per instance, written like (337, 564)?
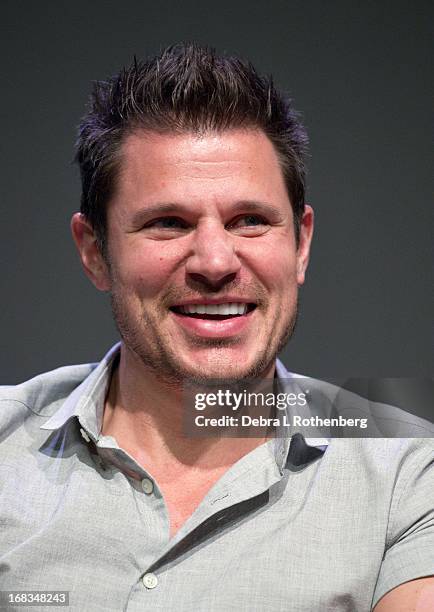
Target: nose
(213, 259)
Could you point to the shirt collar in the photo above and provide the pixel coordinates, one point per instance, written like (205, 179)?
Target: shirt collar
(283, 374)
(86, 403)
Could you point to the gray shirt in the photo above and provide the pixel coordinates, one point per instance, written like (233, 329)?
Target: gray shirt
(297, 524)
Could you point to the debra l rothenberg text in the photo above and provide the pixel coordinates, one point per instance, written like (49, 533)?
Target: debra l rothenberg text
(283, 421)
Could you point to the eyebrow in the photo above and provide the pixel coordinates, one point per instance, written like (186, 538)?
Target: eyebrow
(164, 208)
(256, 206)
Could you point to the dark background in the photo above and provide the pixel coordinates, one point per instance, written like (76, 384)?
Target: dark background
(360, 72)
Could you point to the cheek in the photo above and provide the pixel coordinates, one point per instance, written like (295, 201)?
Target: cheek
(275, 265)
(147, 271)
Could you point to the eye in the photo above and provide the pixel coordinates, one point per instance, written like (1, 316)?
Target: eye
(167, 223)
(249, 225)
(165, 228)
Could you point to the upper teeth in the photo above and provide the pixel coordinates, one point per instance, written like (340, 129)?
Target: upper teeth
(216, 309)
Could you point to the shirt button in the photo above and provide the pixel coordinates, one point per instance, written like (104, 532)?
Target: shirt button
(148, 487)
(150, 581)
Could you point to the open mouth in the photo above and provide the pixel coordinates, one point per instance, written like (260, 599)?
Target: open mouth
(217, 312)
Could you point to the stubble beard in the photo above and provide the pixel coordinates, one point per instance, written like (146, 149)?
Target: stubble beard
(156, 356)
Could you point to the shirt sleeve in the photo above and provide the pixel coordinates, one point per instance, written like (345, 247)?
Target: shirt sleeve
(409, 550)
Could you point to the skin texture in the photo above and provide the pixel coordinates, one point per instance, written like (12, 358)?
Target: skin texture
(178, 232)
(413, 596)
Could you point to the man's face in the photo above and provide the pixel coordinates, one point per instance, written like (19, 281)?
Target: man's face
(203, 264)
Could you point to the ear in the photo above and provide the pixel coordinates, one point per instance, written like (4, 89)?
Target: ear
(92, 260)
(306, 232)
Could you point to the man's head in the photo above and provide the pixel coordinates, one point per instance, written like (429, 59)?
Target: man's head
(187, 89)
(193, 196)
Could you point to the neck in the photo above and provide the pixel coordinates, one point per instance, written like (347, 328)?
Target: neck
(145, 416)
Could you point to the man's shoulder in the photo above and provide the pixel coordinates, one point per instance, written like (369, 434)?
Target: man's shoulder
(382, 452)
(42, 394)
(346, 404)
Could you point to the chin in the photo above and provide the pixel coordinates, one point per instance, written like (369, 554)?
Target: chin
(228, 367)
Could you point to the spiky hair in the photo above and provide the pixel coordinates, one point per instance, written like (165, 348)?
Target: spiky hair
(187, 88)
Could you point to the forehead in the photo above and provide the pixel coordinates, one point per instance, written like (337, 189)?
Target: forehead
(204, 155)
(198, 169)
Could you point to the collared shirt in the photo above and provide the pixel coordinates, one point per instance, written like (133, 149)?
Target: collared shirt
(300, 525)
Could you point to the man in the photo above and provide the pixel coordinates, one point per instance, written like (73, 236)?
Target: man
(193, 217)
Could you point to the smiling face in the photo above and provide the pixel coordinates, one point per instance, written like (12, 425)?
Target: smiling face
(203, 263)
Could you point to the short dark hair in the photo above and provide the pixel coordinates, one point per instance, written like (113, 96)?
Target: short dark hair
(187, 88)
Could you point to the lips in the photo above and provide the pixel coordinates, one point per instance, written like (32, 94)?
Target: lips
(214, 319)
